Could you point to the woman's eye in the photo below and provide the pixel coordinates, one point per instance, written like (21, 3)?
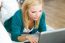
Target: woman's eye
(33, 11)
(40, 11)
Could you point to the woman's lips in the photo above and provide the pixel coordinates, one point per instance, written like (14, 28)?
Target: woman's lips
(35, 18)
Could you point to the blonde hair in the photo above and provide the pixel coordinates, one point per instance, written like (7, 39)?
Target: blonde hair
(25, 6)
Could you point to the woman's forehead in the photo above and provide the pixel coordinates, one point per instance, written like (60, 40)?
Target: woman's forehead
(36, 7)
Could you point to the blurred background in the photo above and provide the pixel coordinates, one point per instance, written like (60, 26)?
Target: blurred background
(55, 13)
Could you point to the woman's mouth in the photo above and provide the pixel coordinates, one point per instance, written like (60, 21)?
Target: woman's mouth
(35, 18)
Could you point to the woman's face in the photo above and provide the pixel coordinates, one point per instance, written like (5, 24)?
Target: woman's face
(35, 12)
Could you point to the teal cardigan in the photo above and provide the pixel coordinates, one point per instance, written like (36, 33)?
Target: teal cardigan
(15, 25)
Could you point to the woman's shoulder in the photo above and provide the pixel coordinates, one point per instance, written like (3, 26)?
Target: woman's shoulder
(18, 12)
(43, 14)
(16, 16)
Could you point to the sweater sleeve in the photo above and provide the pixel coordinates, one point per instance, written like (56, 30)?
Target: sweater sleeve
(16, 26)
(42, 25)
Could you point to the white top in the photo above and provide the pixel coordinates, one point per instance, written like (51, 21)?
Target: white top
(27, 30)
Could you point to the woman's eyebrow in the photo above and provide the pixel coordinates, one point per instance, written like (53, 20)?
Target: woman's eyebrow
(33, 10)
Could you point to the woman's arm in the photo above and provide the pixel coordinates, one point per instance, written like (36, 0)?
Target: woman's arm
(42, 25)
(16, 26)
(22, 38)
(28, 37)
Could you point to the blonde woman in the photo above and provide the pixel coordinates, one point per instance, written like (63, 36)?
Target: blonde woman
(28, 20)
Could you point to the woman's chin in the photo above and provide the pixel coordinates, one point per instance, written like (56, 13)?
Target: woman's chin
(35, 19)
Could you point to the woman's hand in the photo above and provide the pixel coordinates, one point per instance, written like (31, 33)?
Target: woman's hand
(32, 39)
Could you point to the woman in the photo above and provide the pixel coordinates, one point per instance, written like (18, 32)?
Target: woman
(28, 20)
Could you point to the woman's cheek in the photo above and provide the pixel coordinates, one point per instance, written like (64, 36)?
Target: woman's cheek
(39, 14)
(31, 16)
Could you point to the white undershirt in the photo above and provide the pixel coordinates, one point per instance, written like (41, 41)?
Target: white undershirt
(27, 30)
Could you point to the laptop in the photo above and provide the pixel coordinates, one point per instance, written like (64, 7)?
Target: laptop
(57, 36)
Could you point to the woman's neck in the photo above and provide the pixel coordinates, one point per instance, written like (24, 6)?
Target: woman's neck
(31, 24)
